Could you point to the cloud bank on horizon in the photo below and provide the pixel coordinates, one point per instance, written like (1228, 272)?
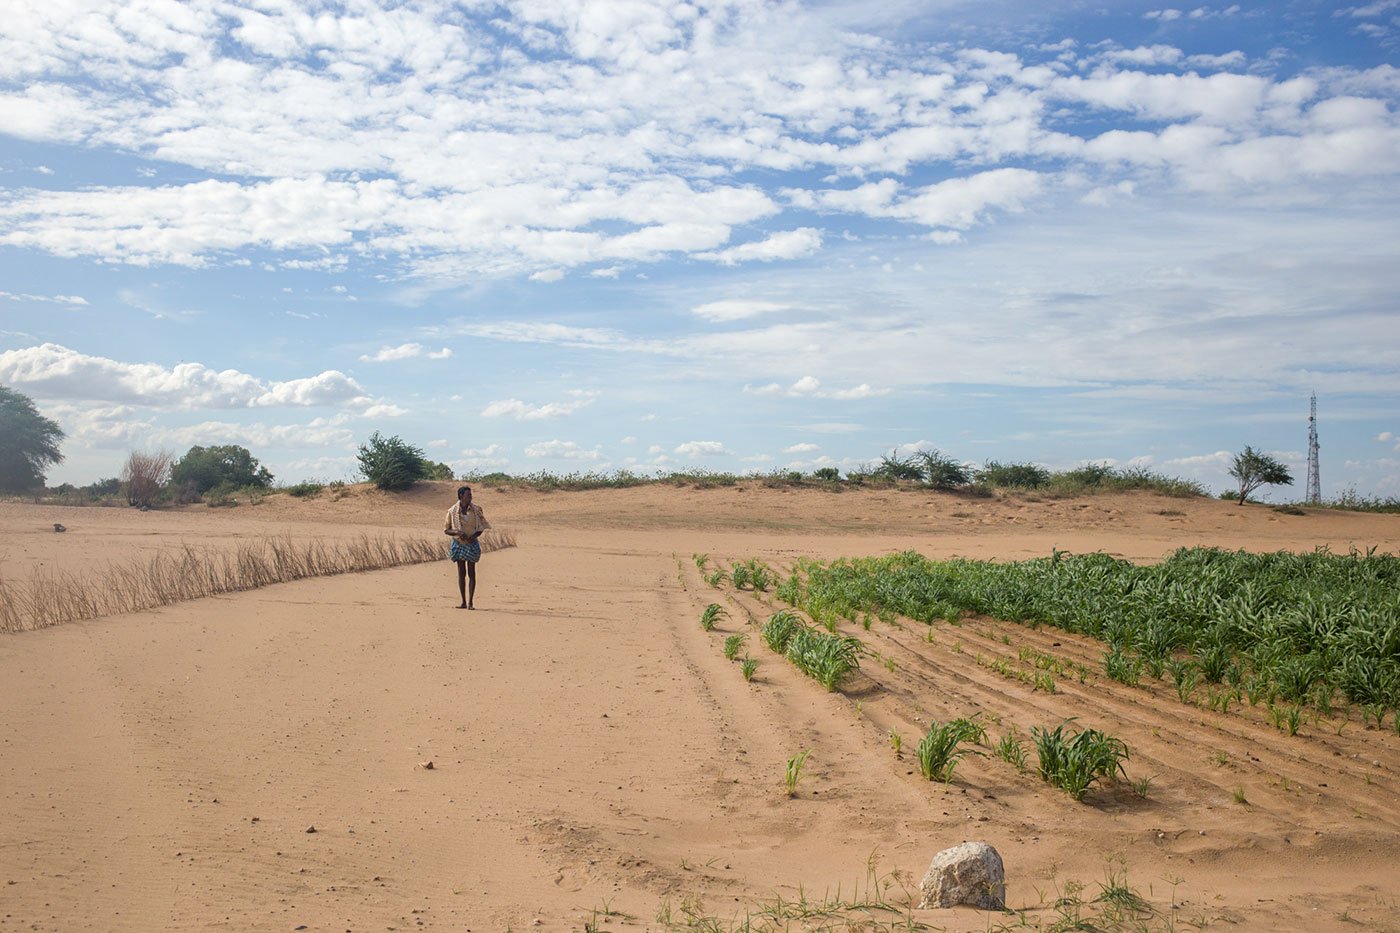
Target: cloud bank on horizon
(739, 234)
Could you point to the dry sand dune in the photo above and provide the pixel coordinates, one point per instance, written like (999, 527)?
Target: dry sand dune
(595, 758)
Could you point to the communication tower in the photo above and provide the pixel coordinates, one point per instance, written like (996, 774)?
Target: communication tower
(1314, 482)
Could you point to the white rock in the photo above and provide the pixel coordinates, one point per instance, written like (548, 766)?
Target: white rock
(971, 873)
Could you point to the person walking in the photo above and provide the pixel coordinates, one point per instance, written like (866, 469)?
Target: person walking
(465, 523)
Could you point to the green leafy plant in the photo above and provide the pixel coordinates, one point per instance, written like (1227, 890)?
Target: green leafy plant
(734, 644)
(778, 630)
(794, 771)
(1012, 750)
(391, 463)
(711, 614)
(824, 657)
(747, 667)
(940, 750)
(1076, 763)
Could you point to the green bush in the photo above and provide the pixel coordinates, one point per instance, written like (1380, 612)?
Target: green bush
(941, 471)
(392, 463)
(203, 468)
(305, 490)
(1012, 475)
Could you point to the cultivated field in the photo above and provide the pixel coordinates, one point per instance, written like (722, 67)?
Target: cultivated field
(598, 762)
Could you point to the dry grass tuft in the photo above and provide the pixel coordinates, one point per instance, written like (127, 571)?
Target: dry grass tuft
(191, 573)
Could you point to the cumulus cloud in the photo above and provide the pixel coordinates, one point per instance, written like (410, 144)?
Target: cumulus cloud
(801, 449)
(789, 244)
(697, 449)
(521, 411)
(561, 450)
(53, 371)
(404, 351)
(415, 132)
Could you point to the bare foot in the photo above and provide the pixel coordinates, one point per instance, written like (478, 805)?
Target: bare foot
(463, 606)
(471, 607)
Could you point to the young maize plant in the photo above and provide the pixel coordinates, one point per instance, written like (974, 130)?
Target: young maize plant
(794, 771)
(1076, 763)
(1297, 627)
(734, 644)
(940, 750)
(712, 613)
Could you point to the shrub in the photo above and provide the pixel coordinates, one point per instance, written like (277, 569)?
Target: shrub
(391, 463)
(941, 471)
(894, 468)
(1012, 475)
(827, 475)
(305, 490)
(144, 476)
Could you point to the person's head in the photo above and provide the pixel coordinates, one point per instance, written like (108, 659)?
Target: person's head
(464, 495)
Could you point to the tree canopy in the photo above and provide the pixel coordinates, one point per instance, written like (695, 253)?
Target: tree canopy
(1254, 468)
(203, 468)
(28, 442)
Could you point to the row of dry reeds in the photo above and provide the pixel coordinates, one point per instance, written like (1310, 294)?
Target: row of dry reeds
(190, 573)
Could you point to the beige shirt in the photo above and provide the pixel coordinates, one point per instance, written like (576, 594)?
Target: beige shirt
(465, 524)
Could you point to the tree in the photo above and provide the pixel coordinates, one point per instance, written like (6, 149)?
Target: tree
(1254, 469)
(203, 468)
(28, 443)
(144, 476)
(391, 463)
(439, 471)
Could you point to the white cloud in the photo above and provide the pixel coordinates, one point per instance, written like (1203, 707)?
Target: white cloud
(736, 309)
(811, 387)
(55, 372)
(521, 411)
(789, 244)
(45, 299)
(561, 450)
(404, 351)
(801, 449)
(697, 449)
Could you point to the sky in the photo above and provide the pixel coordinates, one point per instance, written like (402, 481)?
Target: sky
(593, 235)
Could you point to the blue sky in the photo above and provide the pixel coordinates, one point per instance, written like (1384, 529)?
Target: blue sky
(572, 235)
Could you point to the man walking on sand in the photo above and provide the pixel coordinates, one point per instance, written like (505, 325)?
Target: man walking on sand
(465, 523)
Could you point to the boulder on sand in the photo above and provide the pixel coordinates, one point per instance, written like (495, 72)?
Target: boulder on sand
(971, 873)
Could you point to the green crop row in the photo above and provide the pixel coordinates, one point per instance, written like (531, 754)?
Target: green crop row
(1281, 626)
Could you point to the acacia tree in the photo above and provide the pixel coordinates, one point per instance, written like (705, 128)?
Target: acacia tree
(28, 442)
(1254, 469)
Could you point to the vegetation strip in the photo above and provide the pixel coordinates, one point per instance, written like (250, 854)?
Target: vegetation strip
(1283, 626)
(191, 573)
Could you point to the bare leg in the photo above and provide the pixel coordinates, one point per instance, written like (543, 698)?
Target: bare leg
(471, 586)
(462, 582)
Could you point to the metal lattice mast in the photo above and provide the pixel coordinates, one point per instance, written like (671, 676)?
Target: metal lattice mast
(1314, 481)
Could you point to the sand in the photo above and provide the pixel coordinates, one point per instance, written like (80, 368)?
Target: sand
(597, 762)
